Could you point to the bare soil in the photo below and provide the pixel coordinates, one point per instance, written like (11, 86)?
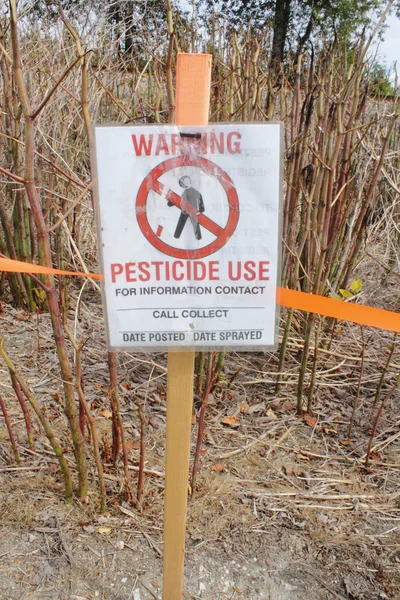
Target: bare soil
(284, 507)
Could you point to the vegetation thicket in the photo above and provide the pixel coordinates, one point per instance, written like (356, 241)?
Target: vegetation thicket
(308, 64)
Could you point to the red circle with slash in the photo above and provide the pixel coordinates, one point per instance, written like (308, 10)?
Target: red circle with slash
(152, 183)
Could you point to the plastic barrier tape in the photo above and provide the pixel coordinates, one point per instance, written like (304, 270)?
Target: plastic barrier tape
(344, 311)
(327, 307)
(17, 266)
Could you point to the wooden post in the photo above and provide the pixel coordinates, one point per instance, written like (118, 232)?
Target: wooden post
(193, 79)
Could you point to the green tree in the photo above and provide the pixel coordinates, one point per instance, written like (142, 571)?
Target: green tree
(380, 81)
(298, 20)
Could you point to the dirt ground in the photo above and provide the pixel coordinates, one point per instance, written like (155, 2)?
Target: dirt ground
(284, 507)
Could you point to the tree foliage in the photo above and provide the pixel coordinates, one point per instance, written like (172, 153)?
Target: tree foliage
(380, 80)
(297, 21)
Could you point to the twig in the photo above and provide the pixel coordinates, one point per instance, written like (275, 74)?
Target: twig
(32, 468)
(322, 582)
(64, 542)
(71, 208)
(152, 544)
(54, 88)
(251, 444)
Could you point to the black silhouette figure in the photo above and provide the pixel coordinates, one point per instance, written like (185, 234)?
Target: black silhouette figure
(194, 198)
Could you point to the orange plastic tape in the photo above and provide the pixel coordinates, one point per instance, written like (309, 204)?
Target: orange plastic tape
(327, 307)
(344, 311)
(17, 266)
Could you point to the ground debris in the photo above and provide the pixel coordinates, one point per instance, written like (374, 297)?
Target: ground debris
(275, 492)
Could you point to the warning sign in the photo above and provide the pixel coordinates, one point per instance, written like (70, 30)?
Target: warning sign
(188, 227)
(190, 204)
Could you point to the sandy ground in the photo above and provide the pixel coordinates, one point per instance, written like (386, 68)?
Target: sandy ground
(284, 507)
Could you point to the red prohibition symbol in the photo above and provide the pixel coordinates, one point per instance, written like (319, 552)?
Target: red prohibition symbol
(152, 183)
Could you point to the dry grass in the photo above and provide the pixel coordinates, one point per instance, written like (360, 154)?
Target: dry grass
(277, 468)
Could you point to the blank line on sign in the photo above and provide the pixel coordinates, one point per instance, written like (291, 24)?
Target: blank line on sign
(196, 308)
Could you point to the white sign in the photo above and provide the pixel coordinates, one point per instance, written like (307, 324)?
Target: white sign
(188, 221)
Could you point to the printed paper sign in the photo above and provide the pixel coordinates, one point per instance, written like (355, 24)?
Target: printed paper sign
(188, 222)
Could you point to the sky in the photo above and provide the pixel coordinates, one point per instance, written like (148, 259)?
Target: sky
(389, 49)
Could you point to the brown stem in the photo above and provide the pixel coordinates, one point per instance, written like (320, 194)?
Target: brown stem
(200, 432)
(126, 460)
(10, 431)
(53, 89)
(90, 418)
(384, 371)
(303, 365)
(12, 176)
(118, 428)
(199, 367)
(114, 399)
(314, 368)
(220, 362)
(282, 350)
(140, 485)
(46, 425)
(45, 258)
(355, 404)
(378, 415)
(24, 409)
(170, 83)
(82, 411)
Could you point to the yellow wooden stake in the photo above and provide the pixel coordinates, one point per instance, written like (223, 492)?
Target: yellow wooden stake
(179, 420)
(193, 79)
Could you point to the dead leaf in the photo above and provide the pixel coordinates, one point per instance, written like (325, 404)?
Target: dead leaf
(304, 458)
(84, 523)
(88, 529)
(57, 397)
(271, 415)
(156, 422)
(218, 468)
(21, 317)
(211, 399)
(346, 442)
(155, 585)
(374, 455)
(329, 430)
(310, 420)
(238, 590)
(260, 407)
(293, 469)
(229, 421)
(243, 407)
(288, 406)
(209, 438)
(107, 414)
(133, 445)
(104, 530)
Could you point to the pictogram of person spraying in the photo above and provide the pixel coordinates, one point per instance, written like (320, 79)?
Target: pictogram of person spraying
(194, 198)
